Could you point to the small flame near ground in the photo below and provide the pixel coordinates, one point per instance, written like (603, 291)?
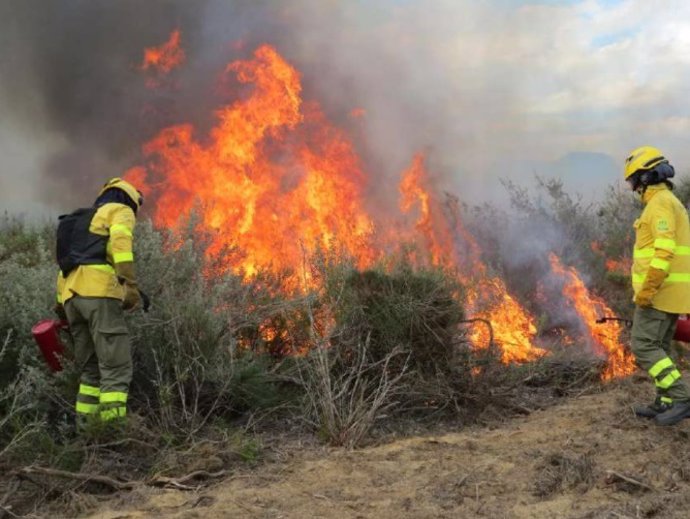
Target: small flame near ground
(621, 266)
(275, 182)
(603, 339)
(451, 246)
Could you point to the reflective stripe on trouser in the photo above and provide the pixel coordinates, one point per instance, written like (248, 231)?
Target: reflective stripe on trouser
(664, 373)
(652, 332)
(113, 405)
(88, 399)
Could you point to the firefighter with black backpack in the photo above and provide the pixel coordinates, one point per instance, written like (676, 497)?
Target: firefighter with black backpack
(96, 285)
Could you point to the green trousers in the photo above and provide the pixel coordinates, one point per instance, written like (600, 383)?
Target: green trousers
(103, 352)
(652, 332)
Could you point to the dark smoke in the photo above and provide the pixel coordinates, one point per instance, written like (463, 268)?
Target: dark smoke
(71, 93)
(69, 69)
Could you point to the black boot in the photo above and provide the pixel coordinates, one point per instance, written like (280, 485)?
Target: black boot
(675, 414)
(653, 409)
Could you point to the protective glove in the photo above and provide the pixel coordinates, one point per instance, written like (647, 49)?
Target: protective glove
(60, 311)
(127, 278)
(653, 281)
(132, 298)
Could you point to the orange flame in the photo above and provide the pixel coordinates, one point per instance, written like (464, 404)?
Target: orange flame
(273, 179)
(358, 113)
(620, 266)
(274, 182)
(163, 59)
(451, 246)
(431, 223)
(604, 340)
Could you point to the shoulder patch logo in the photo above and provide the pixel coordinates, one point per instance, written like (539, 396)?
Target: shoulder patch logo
(662, 225)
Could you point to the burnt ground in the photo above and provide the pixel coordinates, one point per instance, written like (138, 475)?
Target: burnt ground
(585, 457)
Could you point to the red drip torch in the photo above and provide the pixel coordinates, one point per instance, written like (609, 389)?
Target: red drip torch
(47, 336)
(682, 327)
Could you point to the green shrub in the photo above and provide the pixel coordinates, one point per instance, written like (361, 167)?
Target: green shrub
(198, 352)
(417, 311)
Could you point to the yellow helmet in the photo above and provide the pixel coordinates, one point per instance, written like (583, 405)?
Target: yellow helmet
(643, 158)
(123, 185)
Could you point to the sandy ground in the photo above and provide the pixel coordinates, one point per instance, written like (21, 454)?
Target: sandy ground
(568, 461)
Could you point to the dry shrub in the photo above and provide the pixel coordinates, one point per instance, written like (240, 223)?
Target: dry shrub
(566, 369)
(561, 471)
(345, 396)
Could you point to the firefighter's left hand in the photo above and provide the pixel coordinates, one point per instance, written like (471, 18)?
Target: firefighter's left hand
(132, 298)
(60, 311)
(654, 279)
(644, 298)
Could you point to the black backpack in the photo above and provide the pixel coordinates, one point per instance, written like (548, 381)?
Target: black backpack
(76, 245)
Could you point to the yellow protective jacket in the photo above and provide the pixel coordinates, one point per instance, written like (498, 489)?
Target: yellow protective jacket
(117, 222)
(662, 241)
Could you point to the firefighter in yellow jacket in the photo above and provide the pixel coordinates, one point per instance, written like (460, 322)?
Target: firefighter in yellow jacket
(96, 284)
(661, 281)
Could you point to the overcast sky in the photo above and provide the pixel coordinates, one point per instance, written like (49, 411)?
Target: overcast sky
(490, 88)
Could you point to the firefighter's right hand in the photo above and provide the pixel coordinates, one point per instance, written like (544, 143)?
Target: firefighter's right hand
(60, 311)
(132, 298)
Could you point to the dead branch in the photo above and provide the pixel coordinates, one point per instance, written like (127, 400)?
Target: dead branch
(79, 476)
(178, 482)
(613, 476)
(158, 481)
(116, 443)
(7, 510)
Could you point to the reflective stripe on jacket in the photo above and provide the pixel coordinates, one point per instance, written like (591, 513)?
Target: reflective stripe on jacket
(117, 222)
(662, 241)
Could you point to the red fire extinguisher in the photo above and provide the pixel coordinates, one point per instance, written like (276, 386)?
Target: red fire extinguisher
(47, 336)
(682, 329)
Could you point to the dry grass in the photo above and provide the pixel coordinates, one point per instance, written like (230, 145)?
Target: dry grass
(560, 471)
